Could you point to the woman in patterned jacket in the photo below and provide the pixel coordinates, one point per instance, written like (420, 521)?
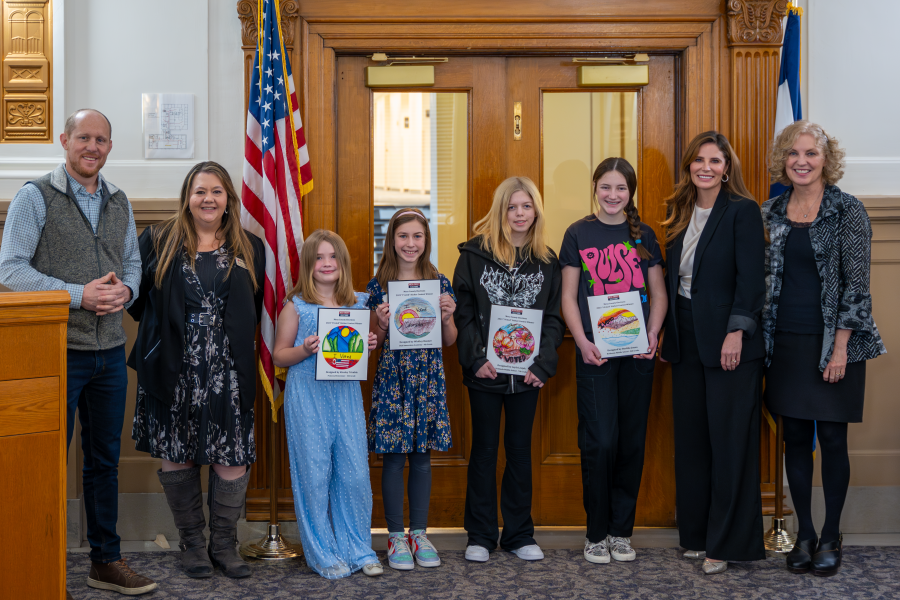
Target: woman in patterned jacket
(199, 304)
(818, 327)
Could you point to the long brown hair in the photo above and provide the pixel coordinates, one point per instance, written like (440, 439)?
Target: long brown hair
(389, 264)
(306, 285)
(680, 205)
(177, 232)
(494, 227)
(623, 167)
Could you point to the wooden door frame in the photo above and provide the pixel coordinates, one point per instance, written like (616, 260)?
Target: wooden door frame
(728, 59)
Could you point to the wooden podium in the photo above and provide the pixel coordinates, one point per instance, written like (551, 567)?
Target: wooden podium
(33, 444)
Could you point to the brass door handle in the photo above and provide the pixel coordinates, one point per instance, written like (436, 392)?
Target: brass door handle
(517, 121)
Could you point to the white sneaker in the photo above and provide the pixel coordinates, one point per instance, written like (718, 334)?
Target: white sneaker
(477, 553)
(620, 548)
(532, 552)
(596, 553)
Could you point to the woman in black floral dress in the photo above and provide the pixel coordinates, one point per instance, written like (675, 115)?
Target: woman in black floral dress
(200, 301)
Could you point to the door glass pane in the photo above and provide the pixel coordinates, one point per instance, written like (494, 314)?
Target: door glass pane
(420, 158)
(580, 129)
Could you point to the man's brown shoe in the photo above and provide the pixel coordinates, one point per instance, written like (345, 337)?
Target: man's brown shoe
(118, 577)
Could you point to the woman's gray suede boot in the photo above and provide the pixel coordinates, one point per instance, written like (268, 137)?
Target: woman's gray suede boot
(226, 501)
(185, 499)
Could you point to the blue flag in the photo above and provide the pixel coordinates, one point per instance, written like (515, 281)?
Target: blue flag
(788, 107)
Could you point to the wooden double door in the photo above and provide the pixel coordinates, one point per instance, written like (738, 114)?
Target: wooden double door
(493, 86)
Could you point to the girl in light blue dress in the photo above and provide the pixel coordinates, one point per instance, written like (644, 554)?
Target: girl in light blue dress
(325, 420)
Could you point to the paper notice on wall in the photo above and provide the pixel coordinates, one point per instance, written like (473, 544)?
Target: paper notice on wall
(168, 125)
(618, 324)
(515, 338)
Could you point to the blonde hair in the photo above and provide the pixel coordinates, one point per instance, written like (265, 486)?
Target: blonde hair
(389, 264)
(178, 231)
(494, 227)
(306, 286)
(680, 205)
(833, 169)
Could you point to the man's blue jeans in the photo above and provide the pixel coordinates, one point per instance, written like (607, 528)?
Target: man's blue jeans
(96, 385)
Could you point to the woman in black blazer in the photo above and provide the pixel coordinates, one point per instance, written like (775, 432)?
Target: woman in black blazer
(716, 285)
(199, 304)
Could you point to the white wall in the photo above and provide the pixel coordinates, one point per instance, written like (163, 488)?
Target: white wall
(109, 52)
(850, 84)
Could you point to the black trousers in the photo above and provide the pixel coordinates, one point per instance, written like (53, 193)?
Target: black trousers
(515, 489)
(613, 404)
(717, 416)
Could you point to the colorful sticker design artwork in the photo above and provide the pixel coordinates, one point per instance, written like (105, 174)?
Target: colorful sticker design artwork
(614, 269)
(415, 318)
(619, 327)
(513, 343)
(342, 347)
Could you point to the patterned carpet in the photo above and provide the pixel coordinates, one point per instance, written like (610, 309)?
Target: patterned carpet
(867, 572)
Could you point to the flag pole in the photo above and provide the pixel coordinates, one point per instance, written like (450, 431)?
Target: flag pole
(273, 546)
(778, 539)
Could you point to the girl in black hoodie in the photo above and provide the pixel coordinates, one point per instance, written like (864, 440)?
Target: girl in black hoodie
(506, 263)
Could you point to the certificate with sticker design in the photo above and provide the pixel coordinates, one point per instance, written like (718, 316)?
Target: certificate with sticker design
(515, 338)
(343, 344)
(415, 314)
(617, 321)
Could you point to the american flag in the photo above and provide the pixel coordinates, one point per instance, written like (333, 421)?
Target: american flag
(276, 175)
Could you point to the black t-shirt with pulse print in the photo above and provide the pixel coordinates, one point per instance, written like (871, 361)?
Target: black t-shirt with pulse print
(609, 262)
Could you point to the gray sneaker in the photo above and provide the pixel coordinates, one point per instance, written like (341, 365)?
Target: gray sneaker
(596, 553)
(620, 548)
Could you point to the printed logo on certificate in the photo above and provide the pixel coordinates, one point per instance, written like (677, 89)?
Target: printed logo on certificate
(515, 338)
(343, 344)
(415, 314)
(618, 324)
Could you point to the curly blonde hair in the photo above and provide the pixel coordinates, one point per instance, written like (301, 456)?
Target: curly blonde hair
(827, 145)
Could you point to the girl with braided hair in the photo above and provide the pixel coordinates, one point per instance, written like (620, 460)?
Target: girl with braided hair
(611, 251)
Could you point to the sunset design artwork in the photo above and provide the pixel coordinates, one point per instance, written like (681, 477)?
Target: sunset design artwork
(415, 318)
(619, 327)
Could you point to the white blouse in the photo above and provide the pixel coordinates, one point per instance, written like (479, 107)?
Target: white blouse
(691, 237)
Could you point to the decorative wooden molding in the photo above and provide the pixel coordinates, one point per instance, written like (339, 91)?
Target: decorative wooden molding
(26, 72)
(290, 11)
(147, 211)
(755, 22)
(754, 40)
(882, 209)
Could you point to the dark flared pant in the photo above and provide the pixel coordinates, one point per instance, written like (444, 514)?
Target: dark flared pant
(613, 403)
(717, 416)
(515, 489)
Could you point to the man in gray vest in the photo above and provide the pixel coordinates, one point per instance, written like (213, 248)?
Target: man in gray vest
(72, 230)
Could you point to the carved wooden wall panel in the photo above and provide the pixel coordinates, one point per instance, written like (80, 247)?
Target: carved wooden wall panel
(754, 40)
(258, 491)
(26, 71)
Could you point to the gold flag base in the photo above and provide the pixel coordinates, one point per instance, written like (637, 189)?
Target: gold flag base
(778, 539)
(272, 547)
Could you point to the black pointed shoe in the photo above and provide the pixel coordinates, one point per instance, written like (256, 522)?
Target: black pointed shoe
(827, 559)
(799, 559)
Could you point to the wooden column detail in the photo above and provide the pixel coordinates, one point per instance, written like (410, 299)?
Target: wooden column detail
(754, 41)
(258, 490)
(755, 33)
(26, 72)
(246, 9)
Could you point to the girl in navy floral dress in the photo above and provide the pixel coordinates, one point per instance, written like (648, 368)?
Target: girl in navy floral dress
(409, 396)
